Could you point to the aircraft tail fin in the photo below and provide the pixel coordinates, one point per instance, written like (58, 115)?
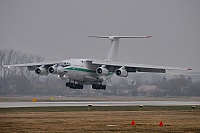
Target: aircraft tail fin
(112, 53)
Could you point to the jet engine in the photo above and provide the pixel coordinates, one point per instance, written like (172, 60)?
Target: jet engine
(121, 72)
(56, 69)
(41, 70)
(102, 71)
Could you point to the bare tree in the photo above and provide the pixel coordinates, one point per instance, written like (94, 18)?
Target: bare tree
(10, 76)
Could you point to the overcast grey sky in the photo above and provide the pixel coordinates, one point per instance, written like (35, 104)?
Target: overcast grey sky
(59, 29)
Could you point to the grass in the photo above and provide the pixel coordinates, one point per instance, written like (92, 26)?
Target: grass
(81, 119)
(98, 121)
(97, 108)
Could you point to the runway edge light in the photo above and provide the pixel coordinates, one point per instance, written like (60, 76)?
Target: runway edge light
(34, 100)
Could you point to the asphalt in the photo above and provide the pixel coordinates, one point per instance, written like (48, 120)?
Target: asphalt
(96, 103)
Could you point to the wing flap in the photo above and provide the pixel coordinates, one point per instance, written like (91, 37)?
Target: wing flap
(153, 70)
(136, 67)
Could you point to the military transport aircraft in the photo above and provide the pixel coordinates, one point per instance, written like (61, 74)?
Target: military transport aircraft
(79, 72)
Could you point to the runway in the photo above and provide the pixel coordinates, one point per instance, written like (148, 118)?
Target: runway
(96, 103)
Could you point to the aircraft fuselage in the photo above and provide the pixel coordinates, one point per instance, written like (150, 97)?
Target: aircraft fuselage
(77, 70)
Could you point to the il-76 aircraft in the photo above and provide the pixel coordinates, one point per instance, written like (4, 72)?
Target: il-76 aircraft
(79, 72)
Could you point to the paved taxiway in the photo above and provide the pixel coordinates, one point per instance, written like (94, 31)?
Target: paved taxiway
(96, 103)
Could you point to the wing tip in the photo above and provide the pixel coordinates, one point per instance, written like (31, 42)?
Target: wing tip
(6, 66)
(149, 36)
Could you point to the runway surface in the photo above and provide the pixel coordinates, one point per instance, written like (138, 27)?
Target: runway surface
(95, 103)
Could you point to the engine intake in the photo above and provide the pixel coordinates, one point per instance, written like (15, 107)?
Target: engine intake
(121, 72)
(41, 71)
(56, 70)
(102, 71)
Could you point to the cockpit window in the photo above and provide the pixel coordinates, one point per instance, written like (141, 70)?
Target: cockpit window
(64, 64)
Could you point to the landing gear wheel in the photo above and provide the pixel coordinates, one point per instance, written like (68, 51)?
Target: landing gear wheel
(98, 86)
(73, 85)
(104, 87)
(67, 84)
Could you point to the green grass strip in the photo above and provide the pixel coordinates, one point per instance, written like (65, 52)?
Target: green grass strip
(99, 108)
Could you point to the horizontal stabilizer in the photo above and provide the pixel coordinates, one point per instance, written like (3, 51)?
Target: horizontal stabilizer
(118, 37)
(112, 53)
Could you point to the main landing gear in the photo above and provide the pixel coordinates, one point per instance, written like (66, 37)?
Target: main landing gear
(72, 85)
(75, 85)
(98, 86)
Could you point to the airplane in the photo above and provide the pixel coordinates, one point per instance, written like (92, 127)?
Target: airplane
(79, 72)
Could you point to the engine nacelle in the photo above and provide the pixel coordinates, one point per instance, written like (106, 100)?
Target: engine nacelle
(56, 70)
(102, 71)
(121, 72)
(41, 71)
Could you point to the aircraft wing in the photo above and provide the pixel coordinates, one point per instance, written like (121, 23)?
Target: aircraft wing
(33, 65)
(130, 67)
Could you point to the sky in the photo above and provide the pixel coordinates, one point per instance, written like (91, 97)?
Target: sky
(59, 29)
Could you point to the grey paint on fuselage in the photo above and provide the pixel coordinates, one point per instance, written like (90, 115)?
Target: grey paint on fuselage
(83, 72)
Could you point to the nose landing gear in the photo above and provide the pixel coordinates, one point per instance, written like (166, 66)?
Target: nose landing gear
(73, 85)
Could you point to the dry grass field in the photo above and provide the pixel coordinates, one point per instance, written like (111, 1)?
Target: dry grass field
(100, 121)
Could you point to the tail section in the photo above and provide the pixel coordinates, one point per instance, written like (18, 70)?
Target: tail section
(112, 53)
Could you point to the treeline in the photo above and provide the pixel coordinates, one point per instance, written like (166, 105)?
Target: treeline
(20, 81)
(180, 86)
(156, 85)
(16, 80)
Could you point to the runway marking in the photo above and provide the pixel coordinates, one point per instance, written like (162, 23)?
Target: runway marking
(111, 125)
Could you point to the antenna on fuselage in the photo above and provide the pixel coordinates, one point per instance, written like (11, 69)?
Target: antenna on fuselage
(112, 53)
